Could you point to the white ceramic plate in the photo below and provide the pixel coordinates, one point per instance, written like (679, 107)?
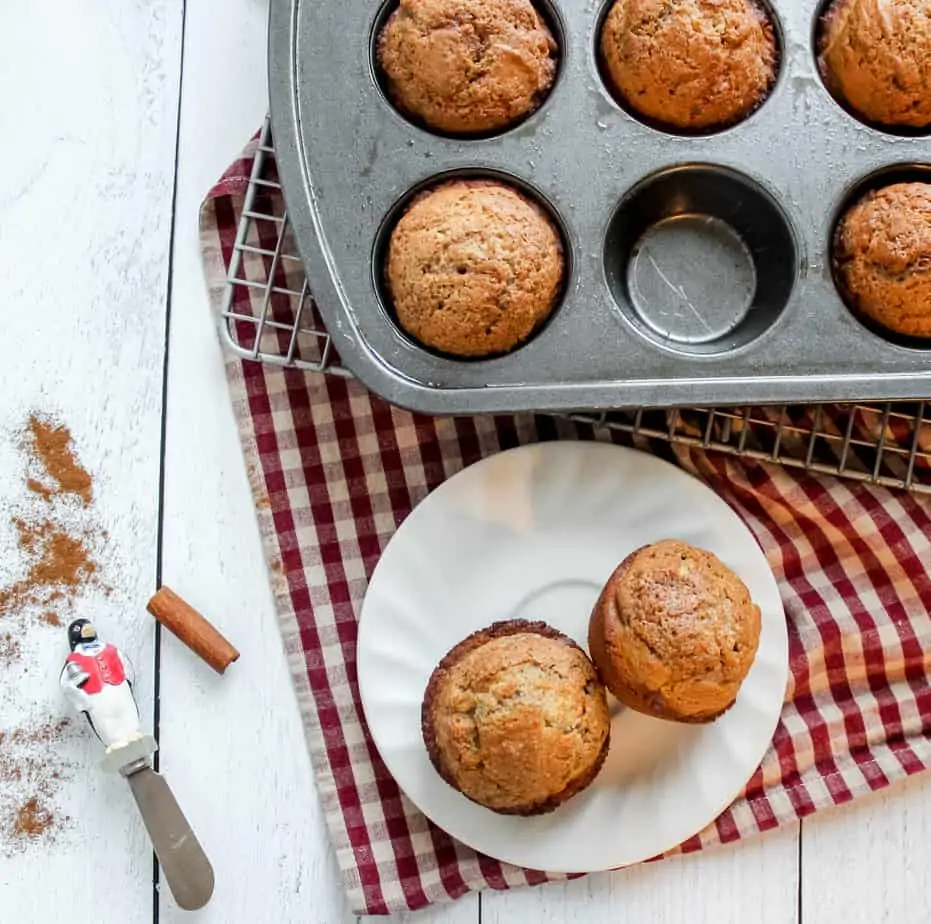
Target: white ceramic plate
(534, 533)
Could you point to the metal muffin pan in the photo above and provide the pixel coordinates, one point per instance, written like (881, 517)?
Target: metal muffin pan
(699, 267)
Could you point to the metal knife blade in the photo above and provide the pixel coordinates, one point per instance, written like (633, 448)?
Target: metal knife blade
(184, 864)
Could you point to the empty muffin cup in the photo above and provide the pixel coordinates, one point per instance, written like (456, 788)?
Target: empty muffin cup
(700, 259)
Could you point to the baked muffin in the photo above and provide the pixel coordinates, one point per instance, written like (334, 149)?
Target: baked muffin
(882, 258)
(467, 66)
(473, 268)
(674, 633)
(516, 719)
(692, 65)
(875, 57)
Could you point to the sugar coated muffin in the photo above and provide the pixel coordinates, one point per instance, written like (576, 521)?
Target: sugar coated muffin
(467, 66)
(692, 65)
(875, 57)
(882, 258)
(474, 268)
(516, 719)
(674, 633)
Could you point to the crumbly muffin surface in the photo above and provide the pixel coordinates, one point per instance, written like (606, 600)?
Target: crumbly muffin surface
(882, 254)
(694, 65)
(675, 632)
(467, 66)
(516, 718)
(875, 55)
(474, 267)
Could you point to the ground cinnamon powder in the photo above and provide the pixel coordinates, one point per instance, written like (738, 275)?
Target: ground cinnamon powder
(30, 773)
(33, 819)
(60, 563)
(9, 652)
(55, 542)
(59, 558)
(51, 445)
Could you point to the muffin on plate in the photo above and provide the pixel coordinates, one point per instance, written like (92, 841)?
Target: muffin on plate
(515, 718)
(693, 65)
(882, 258)
(467, 66)
(474, 268)
(674, 633)
(874, 57)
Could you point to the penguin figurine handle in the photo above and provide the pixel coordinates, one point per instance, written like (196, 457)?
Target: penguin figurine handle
(97, 681)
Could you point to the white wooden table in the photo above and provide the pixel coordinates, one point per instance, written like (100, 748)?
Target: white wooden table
(117, 116)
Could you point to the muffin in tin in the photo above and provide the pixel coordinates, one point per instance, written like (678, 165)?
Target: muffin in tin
(674, 633)
(467, 67)
(875, 57)
(515, 718)
(692, 66)
(882, 258)
(474, 267)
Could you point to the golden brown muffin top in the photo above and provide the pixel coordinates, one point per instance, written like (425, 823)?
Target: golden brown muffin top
(467, 66)
(473, 268)
(691, 64)
(876, 56)
(516, 718)
(682, 625)
(882, 254)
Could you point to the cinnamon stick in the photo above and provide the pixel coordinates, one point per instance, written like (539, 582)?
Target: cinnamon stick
(192, 629)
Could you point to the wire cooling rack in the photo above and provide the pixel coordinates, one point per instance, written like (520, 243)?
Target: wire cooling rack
(268, 315)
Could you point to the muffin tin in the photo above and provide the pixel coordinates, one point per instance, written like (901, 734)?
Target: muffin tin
(698, 267)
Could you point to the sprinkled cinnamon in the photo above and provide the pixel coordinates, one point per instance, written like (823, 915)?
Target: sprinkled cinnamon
(60, 564)
(51, 444)
(9, 652)
(58, 555)
(33, 819)
(31, 770)
(38, 488)
(55, 542)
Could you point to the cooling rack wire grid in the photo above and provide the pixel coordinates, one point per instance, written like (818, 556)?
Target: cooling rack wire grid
(268, 315)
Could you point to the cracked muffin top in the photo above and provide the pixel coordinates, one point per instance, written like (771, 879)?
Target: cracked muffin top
(882, 258)
(874, 56)
(473, 268)
(674, 632)
(467, 66)
(516, 719)
(692, 65)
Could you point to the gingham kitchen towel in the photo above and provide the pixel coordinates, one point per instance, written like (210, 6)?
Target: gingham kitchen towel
(334, 470)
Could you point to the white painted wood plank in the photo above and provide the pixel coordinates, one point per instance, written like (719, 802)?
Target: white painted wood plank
(233, 747)
(755, 881)
(88, 121)
(870, 862)
(463, 911)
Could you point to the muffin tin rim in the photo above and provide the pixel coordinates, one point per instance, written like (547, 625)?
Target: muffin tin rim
(759, 379)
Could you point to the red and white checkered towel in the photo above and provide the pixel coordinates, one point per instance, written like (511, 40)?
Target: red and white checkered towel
(334, 470)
